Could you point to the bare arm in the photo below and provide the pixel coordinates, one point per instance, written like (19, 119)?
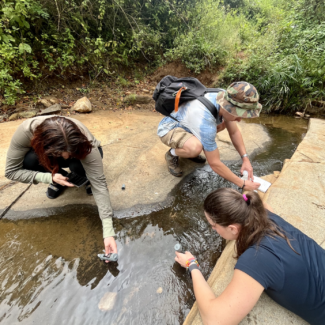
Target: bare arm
(268, 207)
(235, 136)
(238, 142)
(238, 299)
(221, 169)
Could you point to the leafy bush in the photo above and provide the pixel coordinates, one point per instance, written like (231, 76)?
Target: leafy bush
(213, 36)
(16, 40)
(46, 37)
(278, 45)
(287, 60)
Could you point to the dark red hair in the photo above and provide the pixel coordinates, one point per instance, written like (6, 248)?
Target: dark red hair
(57, 135)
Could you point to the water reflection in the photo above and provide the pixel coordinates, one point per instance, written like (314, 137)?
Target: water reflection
(50, 273)
(49, 266)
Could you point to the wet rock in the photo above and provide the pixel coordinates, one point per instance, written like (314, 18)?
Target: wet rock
(82, 105)
(138, 99)
(54, 109)
(108, 301)
(28, 114)
(300, 114)
(45, 102)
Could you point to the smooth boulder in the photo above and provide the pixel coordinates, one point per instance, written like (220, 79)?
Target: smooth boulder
(82, 105)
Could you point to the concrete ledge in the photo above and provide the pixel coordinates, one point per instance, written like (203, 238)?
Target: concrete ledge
(298, 196)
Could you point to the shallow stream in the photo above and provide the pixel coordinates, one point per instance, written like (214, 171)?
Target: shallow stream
(50, 273)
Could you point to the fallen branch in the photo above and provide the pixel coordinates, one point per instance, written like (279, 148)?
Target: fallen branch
(17, 198)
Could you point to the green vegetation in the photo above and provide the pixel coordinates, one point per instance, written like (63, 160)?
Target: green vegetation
(278, 45)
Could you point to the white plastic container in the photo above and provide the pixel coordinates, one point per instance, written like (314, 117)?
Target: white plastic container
(264, 184)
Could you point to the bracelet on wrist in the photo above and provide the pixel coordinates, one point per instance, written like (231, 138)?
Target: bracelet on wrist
(194, 262)
(189, 261)
(193, 267)
(244, 155)
(242, 188)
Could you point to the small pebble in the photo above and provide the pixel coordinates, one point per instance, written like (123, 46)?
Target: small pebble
(159, 290)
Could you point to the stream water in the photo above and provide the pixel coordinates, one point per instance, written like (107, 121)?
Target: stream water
(50, 273)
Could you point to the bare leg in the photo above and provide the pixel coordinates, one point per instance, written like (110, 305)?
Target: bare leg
(191, 148)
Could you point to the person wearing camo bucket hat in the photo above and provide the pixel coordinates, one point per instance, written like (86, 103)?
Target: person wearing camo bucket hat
(193, 128)
(240, 99)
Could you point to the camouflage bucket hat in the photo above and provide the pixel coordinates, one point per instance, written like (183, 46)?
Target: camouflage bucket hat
(240, 99)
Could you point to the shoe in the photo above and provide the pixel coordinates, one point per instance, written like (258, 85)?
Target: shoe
(199, 159)
(54, 190)
(88, 189)
(172, 164)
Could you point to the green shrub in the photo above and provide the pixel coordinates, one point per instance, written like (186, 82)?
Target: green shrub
(213, 37)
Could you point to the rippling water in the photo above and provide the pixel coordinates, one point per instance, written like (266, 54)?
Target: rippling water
(50, 273)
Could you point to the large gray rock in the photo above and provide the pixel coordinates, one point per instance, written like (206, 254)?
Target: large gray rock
(138, 99)
(54, 109)
(140, 163)
(82, 105)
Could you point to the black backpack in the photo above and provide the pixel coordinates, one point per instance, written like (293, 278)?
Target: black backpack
(172, 92)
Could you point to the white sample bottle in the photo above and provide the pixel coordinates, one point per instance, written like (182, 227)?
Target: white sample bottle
(264, 184)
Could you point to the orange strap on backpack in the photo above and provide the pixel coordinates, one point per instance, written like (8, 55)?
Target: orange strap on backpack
(178, 96)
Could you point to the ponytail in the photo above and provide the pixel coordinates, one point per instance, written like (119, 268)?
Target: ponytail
(225, 207)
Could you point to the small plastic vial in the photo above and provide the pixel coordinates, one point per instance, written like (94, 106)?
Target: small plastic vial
(178, 247)
(245, 175)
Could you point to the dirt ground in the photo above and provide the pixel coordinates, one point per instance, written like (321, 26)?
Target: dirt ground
(110, 94)
(103, 95)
